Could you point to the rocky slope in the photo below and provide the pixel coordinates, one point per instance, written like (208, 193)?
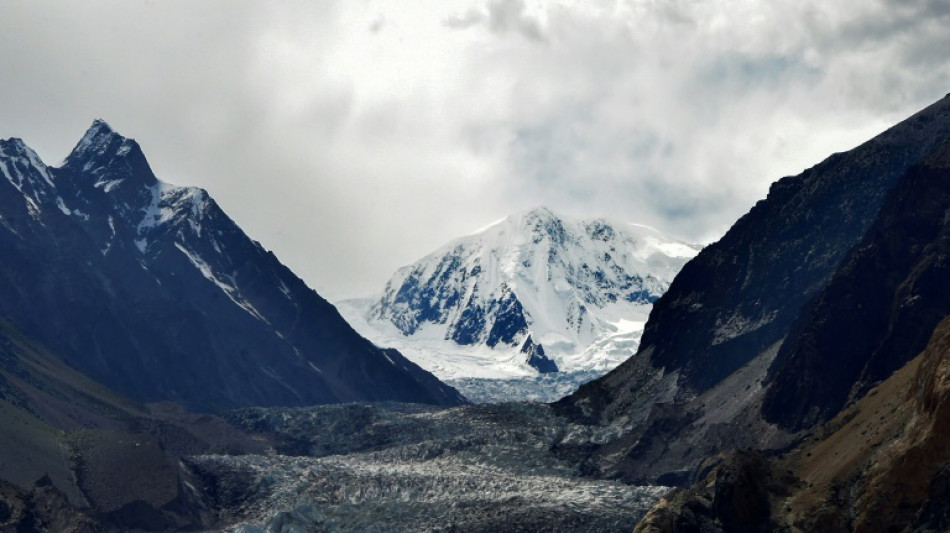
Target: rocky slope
(535, 293)
(880, 465)
(153, 290)
(879, 308)
(813, 280)
(103, 461)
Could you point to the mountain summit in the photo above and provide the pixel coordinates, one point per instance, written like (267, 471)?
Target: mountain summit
(536, 292)
(154, 291)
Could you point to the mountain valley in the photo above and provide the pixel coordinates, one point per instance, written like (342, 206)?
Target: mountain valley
(161, 371)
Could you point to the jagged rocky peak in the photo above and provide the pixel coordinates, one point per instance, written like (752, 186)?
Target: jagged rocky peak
(100, 139)
(14, 147)
(24, 169)
(107, 176)
(109, 158)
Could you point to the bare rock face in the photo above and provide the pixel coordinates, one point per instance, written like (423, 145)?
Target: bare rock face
(741, 295)
(41, 508)
(879, 309)
(881, 465)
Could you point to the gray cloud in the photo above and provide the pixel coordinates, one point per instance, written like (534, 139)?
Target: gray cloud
(354, 138)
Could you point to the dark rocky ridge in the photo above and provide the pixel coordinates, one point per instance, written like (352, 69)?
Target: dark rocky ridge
(822, 290)
(153, 290)
(879, 308)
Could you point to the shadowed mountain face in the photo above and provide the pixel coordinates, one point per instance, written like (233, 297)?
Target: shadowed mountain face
(741, 295)
(879, 308)
(87, 459)
(821, 291)
(153, 291)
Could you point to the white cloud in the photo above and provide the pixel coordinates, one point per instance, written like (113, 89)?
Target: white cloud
(352, 138)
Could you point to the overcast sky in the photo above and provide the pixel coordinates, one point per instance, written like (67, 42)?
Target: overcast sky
(355, 137)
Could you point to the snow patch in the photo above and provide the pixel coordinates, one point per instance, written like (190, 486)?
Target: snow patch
(6, 174)
(228, 289)
(284, 289)
(62, 206)
(37, 164)
(107, 185)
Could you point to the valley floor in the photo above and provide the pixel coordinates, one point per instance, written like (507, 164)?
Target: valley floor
(363, 467)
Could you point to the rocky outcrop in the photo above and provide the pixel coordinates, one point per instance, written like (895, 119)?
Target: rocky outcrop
(40, 509)
(536, 358)
(879, 466)
(735, 493)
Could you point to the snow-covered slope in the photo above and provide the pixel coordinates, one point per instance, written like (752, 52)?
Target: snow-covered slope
(535, 293)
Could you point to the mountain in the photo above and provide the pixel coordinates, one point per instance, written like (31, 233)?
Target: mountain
(75, 456)
(822, 290)
(882, 464)
(878, 310)
(535, 293)
(152, 290)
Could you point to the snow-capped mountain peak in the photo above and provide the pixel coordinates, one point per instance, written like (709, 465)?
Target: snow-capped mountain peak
(101, 147)
(531, 292)
(22, 167)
